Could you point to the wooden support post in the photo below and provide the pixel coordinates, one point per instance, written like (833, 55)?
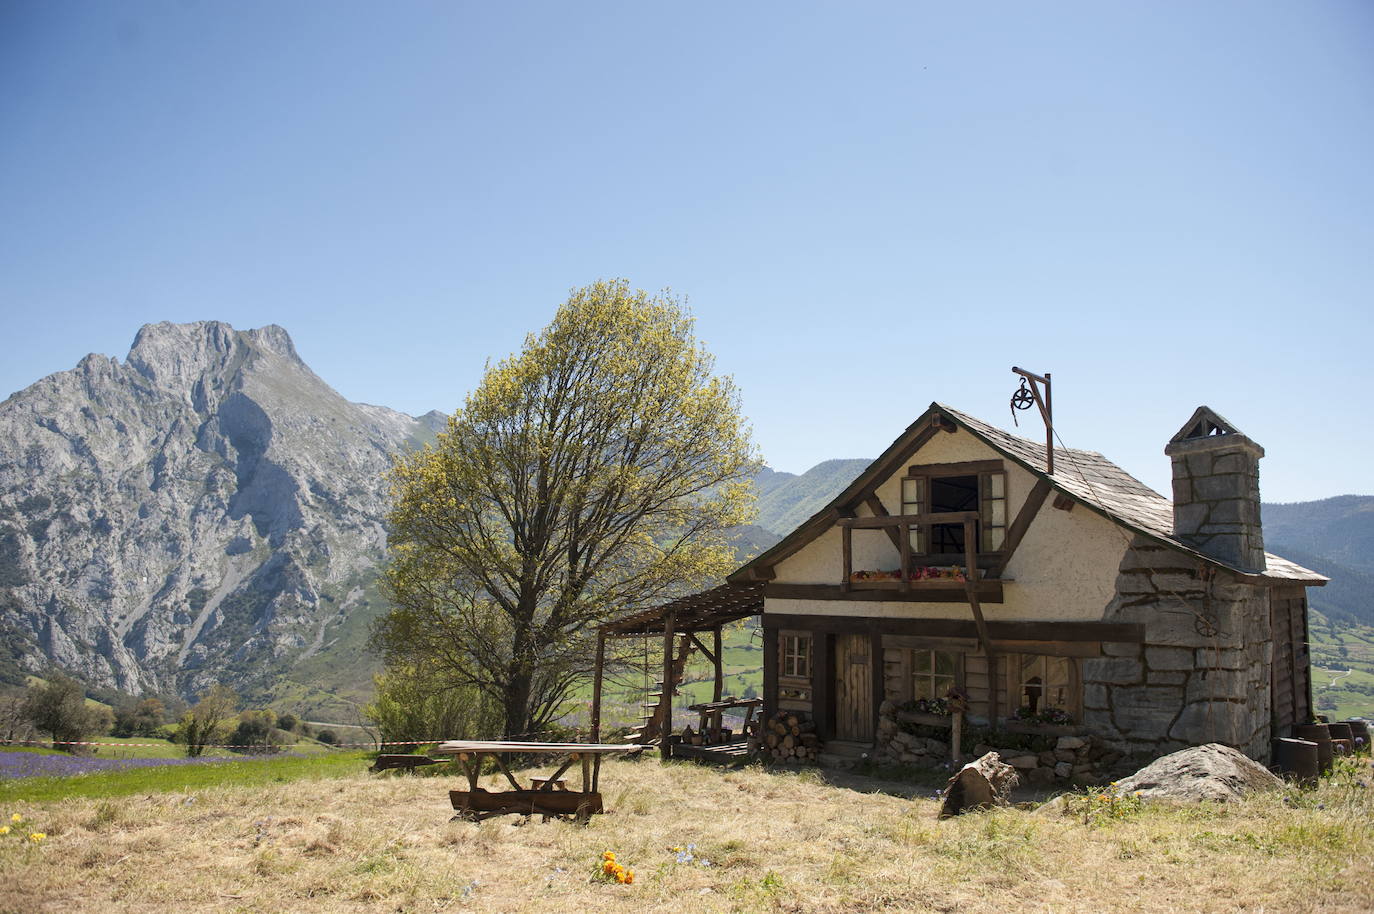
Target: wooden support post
(847, 538)
(720, 665)
(906, 556)
(956, 738)
(597, 676)
(665, 727)
(971, 591)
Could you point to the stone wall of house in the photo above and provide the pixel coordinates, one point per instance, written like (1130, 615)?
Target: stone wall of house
(1044, 759)
(1202, 673)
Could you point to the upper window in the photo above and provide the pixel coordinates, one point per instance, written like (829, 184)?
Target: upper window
(949, 488)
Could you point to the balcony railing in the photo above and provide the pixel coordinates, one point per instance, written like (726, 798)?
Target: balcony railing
(899, 527)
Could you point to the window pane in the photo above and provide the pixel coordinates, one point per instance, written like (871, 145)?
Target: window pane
(944, 663)
(922, 687)
(920, 661)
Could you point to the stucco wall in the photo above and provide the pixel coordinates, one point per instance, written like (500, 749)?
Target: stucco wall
(1064, 569)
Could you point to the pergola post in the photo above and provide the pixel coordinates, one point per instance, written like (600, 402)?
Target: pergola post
(720, 667)
(666, 696)
(597, 676)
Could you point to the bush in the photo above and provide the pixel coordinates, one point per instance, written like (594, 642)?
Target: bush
(58, 707)
(328, 737)
(287, 722)
(256, 732)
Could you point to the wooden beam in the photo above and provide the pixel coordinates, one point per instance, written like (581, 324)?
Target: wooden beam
(666, 699)
(1125, 632)
(710, 655)
(1029, 509)
(919, 592)
(719, 660)
(912, 520)
(970, 585)
(875, 504)
(847, 541)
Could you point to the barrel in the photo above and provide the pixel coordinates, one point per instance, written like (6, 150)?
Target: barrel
(1318, 734)
(1361, 730)
(1342, 739)
(1296, 759)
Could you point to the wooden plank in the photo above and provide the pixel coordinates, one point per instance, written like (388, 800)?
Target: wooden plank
(913, 520)
(770, 670)
(961, 628)
(854, 687)
(1050, 648)
(875, 680)
(971, 565)
(1029, 509)
(665, 724)
(483, 803)
(847, 545)
(931, 592)
(962, 468)
(717, 657)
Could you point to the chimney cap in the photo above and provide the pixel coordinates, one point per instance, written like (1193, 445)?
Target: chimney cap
(1208, 430)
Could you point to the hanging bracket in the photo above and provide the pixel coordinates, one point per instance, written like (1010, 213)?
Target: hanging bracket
(1036, 389)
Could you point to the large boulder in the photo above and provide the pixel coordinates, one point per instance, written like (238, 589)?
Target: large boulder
(1210, 772)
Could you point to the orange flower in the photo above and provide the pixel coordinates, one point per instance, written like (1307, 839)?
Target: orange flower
(629, 877)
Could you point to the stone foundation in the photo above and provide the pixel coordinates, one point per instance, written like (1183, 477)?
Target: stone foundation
(1041, 759)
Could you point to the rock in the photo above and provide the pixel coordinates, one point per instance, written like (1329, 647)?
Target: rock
(936, 747)
(208, 510)
(1022, 762)
(1065, 755)
(1210, 772)
(1071, 742)
(984, 782)
(1047, 759)
(1063, 770)
(1041, 777)
(887, 708)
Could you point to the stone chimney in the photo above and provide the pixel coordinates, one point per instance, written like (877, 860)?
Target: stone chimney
(1216, 490)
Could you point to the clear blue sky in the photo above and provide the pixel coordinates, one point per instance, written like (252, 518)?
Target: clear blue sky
(869, 206)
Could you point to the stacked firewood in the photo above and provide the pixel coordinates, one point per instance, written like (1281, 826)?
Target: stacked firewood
(790, 736)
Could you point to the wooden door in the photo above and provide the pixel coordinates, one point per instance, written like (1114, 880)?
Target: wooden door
(854, 688)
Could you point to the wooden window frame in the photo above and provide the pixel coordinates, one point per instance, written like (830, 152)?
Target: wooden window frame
(956, 677)
(1074, 705)
(786, 640)
(924, 474)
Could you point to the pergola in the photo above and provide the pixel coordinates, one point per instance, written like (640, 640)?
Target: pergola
(691, 616)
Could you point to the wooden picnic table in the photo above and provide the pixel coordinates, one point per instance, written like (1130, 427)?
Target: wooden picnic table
(545, 796)
(712, 711)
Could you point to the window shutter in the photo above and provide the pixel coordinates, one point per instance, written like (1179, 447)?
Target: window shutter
(992, 498)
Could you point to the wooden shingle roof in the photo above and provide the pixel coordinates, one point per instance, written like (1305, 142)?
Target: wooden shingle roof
(1087, 477)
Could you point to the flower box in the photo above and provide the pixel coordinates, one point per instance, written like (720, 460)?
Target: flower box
(925, 719)
(1038, 729)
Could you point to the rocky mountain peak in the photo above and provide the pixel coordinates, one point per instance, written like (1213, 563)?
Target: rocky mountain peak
(208, 510)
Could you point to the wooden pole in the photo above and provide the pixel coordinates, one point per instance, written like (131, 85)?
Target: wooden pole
(847, 540)
(665, 698)
(596, 685)
(719, 689)
(971, 590)
(956, 738)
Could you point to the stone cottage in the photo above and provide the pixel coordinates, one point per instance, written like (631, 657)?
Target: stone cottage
(1079, 603)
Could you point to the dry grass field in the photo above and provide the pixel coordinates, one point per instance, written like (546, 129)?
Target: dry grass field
(787, 842)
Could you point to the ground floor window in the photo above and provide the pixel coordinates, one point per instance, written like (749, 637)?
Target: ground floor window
(1044, 688)
(933, 673)
(796, 656)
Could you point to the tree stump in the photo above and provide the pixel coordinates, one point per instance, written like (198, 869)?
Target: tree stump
(985, 782)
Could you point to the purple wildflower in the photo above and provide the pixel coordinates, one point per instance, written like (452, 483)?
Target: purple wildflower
(33, 764)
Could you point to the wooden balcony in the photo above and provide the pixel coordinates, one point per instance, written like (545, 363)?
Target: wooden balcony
(898, 528)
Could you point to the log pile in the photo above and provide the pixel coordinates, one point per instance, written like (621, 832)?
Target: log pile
(789, 736)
